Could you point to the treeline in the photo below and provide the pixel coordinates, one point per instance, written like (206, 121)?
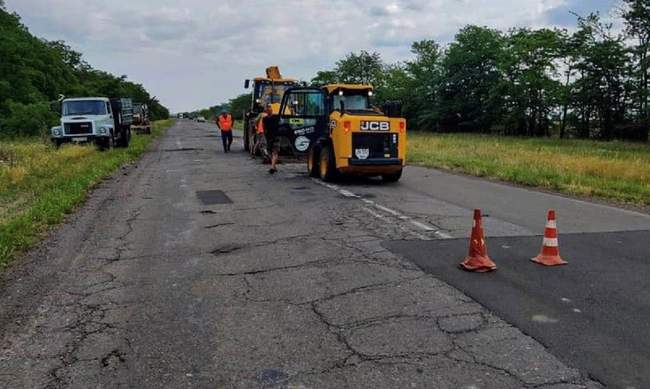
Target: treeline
(590, 83)
(236, 106)
(35, 72)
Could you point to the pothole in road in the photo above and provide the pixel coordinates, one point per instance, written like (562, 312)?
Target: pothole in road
(115, 357)
(272, 377)
(211, 197)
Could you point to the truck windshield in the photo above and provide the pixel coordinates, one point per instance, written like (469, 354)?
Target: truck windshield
(272, 93)
(84, 107)
(352, 103)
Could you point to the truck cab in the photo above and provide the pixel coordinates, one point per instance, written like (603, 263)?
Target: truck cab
(342, 133)
(104, 121)
(265, 90)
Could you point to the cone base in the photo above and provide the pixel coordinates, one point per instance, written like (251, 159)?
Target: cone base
(549, 260)
(478, 265)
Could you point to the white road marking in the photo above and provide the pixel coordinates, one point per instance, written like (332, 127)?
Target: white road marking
(375, 214)
(347, 193)
(397, 214)
(388, 210)
(386, 220)
(544, 319)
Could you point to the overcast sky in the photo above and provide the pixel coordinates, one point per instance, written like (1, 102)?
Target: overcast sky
(196, 53)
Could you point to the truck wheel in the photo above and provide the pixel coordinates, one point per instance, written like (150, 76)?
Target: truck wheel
(327, 165)
(392, 177)
(125, 138)
(312, 161)
(247, 141)
(104, 144)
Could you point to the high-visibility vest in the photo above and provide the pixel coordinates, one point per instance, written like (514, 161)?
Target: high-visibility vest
(225, 122)
(260, 122)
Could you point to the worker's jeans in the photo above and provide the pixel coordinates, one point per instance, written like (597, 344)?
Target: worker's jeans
(226, 138)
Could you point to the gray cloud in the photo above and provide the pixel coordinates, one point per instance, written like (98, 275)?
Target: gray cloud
(195, 53)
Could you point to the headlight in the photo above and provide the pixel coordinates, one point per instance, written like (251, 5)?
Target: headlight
(56, 131)
(102, 130)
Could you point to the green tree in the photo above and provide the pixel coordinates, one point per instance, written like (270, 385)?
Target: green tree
(470, 70)
(239, 105)
(600, 89)
(34, 72)
(362, 68)
(422, 86)
(325, 77)
(637, 19)
(530, 85)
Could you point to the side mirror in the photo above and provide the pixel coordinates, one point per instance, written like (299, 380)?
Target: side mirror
(55, 106)
(247, 83)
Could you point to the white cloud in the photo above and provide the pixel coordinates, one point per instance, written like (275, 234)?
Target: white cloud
(196, 53)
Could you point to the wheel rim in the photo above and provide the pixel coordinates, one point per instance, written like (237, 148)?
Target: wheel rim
(324, 163)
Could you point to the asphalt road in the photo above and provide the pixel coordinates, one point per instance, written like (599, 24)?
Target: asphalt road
(593, 312)
(196, 268)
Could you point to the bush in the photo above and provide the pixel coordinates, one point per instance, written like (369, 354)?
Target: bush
(27, 120)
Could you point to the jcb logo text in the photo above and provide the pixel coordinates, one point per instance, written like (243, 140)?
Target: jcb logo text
(375, 126)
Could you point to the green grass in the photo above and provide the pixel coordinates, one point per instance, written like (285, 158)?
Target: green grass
(618, 171)
(39, 184)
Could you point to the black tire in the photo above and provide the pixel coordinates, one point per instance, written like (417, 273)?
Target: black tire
(313, 158)
(247, 141)
(105, 144)
(327, 165)
(125, 138)
(392, 177)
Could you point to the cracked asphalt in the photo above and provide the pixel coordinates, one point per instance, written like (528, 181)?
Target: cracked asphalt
(288, 286)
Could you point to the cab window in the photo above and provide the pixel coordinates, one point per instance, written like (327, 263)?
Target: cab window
(305, 103)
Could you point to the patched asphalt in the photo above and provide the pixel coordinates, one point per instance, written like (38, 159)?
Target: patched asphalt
(594, 313)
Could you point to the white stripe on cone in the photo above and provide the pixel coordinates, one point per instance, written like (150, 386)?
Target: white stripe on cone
(551, 242)
(551, 224)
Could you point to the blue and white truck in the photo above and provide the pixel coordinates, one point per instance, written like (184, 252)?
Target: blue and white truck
(100, 120)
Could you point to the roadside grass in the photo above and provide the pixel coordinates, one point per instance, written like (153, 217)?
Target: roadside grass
(618, 171)
(39, 184)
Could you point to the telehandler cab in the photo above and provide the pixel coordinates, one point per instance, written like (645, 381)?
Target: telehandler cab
(265, 90)
(342, 133)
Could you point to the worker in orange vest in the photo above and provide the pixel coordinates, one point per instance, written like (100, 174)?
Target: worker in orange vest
(225, 122)
(260, 139)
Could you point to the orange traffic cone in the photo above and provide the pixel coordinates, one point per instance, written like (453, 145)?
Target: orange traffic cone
(550, 255)
(477, 261)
